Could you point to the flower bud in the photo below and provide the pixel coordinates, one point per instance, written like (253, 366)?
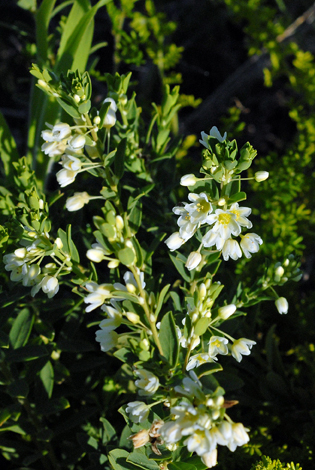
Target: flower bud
(221, 201)
(261, 176)
(119, 222)
(174, 241)
(282, 305)
(226, 311)
(193, 260)
(59, 243)
(113, 264)
(133, 317)
(188, 180)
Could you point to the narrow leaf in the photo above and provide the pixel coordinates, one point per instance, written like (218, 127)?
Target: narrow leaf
(21, 328)
(168, 339)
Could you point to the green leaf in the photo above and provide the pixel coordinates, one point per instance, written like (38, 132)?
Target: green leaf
(8, 149)
(201, 326)
(108, 432)
(119, 162)
(118, 460)
(141, 460)
(135, 217)
(47, 378)
(21, 328)
(208, 368)
(75, 47)
(72, 248)
(42, 20)
(240, 196)
(168, 339)
(126, 256)
(161, 299)
(51, 407)
(181, 466)
(179, 263)
(18, 389)
(27, 353)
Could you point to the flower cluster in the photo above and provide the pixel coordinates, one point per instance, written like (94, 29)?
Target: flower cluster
(24, 263)
(222, 218)
(197, 420)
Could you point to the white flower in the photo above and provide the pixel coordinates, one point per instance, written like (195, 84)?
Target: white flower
(147, 382)
(241, 215)
(186, 227)
(171, 432)
(217, 345)
(107, 338)
(225, 223)
(190, 388)
(214, 132)
(188, 180)
(138, 411)
(193, 260)
(110, 118)
(174, 241)
(76, 143)
(226, 311)
(131, 284)
(69, 162)
(231, 249)
(250, 244)
(97, 253)
(282, 305)
(199, 209)
(56, 139)
(50, 286)
(210, 459)
(197, 360)
(261, 176)
(239, 436)
(77, 201)
(200, 442)
(212, 238)
(241, 347)
(60, 131)
(98, 295)
(30, 274)
(65, 177)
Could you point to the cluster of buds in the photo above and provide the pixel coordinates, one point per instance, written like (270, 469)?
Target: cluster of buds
(25, 263)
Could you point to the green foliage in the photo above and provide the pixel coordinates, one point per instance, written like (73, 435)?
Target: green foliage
(162, 314)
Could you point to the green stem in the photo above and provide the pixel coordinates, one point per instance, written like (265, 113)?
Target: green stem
(147, 310)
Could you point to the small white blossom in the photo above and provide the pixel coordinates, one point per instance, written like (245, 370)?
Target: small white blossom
(193, 260)
(110, 118)
(226, 311)
(65, 177)
(76, 143)
(186, 227)
(197, 360)
(138, 411)
(98, 295)
(250, 244)
(282, 305)
(175, 241)
(147, 382)
(188, 180)
(97, 253)
(210, 459)
(217, 345)
(239, 436)
(261, 176)
(231, 249)
(107, 338)
(199, 209)
(225, 224)
(241, 347)
(77, 201)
